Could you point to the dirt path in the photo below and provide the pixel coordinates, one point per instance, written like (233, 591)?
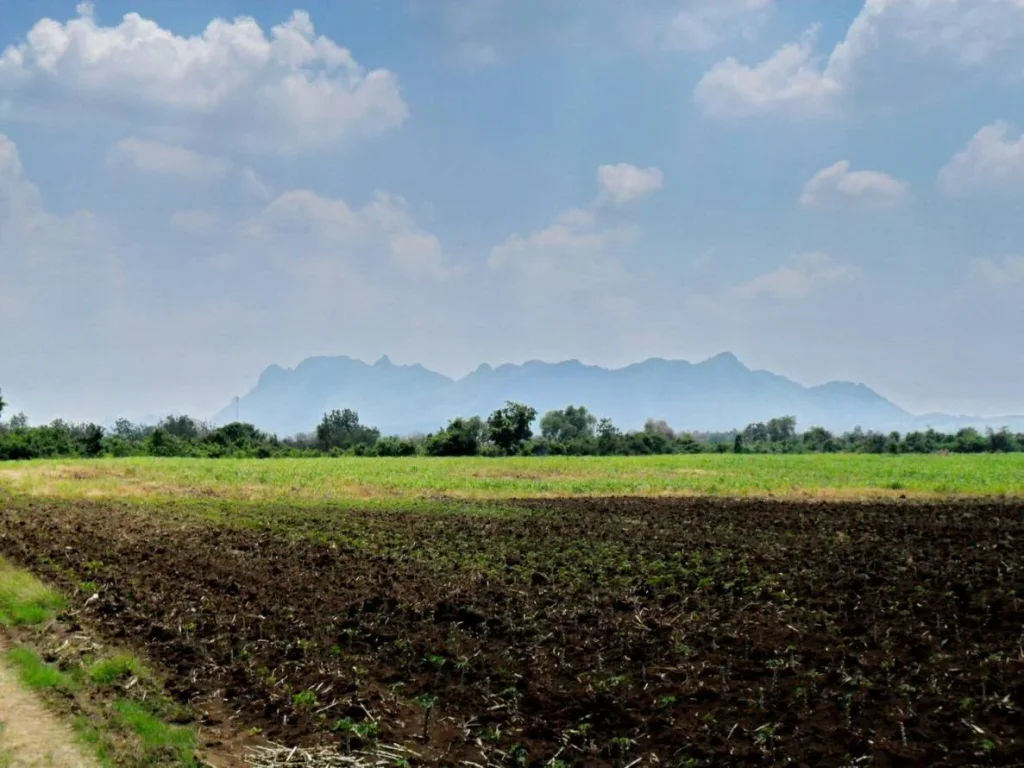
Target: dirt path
(30, 735)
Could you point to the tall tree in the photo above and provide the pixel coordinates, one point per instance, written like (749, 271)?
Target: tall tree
(2, 403)
(341, 429)
(510, 426)
(572, 423)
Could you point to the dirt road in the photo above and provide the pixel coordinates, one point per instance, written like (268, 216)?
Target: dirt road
(30, 735)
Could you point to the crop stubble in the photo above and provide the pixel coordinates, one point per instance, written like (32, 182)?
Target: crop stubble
(599, 631)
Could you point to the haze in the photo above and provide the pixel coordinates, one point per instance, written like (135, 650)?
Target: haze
(192, 191)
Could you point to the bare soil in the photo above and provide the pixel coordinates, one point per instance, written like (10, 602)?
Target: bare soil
(599, 631)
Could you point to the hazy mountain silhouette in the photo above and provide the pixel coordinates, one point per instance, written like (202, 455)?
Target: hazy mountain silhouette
(720, 393)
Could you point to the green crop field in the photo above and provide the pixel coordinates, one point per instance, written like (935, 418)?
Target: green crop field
(384, 481)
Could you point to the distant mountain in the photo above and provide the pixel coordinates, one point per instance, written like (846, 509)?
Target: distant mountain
(720, 393)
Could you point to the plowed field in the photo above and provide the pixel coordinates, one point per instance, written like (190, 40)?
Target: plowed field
(593, 631)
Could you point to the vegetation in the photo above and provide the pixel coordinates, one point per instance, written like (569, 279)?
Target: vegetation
(508, 431)
(122, 711)
(34, 673)
(24, 599)
(417, 481)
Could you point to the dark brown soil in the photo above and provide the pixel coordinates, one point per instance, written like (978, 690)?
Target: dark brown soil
(597, 631)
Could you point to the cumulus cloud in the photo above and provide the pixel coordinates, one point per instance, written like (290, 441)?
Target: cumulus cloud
(623, 183)
(328, 228)
(287, 91)
(891, 42)
(838, 186)
(20, 203)
(47, 261)
(574, 239)
(168, 160)
(579, 249)
(993, 158)
(703, 24)
(796, 280)
(998, 273)
(26, 227)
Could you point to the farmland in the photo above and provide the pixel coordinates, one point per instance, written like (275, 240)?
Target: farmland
(690, 610)
(389, 481)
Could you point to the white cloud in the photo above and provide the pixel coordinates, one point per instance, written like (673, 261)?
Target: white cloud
(20, 203)
(623, 182)
(580, 251)
(573, 240)
(286, 91)
(255, 186)
(329, 229)
(168, 160)
(992, 158)
(837, 185)
(790, 79)
(1002, 273)
(195, 222)
(892, 44)
(797, 280)
(703, 24)
(26, 227)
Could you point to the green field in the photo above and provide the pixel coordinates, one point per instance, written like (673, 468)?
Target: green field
(386, 481)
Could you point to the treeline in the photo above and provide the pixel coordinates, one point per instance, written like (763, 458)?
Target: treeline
(510, 430)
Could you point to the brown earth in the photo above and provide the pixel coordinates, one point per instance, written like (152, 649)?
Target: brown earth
(597, 631)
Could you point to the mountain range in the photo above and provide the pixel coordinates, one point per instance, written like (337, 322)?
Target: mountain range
(720, 393)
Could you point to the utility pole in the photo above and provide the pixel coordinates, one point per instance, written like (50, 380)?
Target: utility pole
(236, 408)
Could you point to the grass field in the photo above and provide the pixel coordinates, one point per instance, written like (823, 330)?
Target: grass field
(385, 481)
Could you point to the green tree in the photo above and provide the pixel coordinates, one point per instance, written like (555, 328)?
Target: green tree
(2, 403)
(659, 427)
(970, 440)
(819, 439)
(92, 440)
(462, 437)
(509, 426)
(572, 423)
(184, 427)
(781, 429)
(609, 438)
(342, 430)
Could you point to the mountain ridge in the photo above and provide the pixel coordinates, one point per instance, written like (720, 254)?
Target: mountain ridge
(716, 394)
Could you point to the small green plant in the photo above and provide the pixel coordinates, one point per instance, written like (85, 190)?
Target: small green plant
(304, 700)
(109, 671)
(428, 702)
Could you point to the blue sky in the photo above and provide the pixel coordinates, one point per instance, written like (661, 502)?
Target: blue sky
(190, 191)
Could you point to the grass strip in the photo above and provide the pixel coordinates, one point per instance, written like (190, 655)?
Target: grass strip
(24, 600)
(118, 703)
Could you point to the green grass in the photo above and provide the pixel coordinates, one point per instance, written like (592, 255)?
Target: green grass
(108, 671)
(410, 481)
(24, 599)
(156, 737)
(34, 673)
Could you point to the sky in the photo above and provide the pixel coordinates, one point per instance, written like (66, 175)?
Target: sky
(191, 191)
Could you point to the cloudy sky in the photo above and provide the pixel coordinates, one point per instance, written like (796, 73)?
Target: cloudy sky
(190, 191)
